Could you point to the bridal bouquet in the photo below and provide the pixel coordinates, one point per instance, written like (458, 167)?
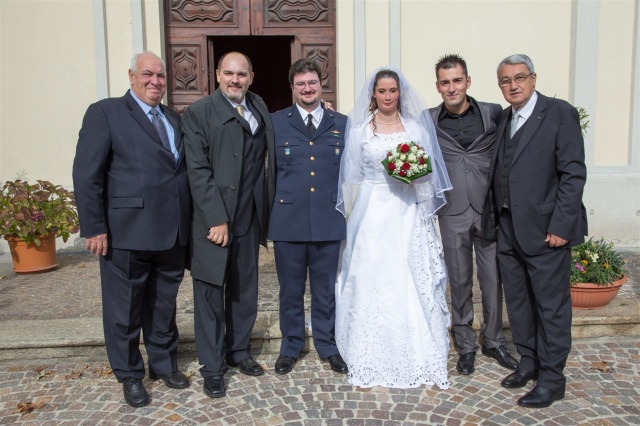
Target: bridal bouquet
(407, 162)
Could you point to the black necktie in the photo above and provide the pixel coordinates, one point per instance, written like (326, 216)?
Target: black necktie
(310, 126)
(160, 129)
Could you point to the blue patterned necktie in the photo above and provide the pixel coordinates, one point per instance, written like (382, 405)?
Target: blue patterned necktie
(160, 129)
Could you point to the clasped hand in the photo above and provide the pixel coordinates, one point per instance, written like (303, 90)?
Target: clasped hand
(554, 240)
(219, 234)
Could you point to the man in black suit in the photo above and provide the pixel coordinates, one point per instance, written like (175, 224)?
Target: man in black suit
(466, 131)
(227, 137)
(539, 176)
(132, 193)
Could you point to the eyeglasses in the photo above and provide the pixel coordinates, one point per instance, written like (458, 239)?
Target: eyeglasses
(520, 78)
(301, 84)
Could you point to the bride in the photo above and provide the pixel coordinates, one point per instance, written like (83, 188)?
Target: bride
(391, 313)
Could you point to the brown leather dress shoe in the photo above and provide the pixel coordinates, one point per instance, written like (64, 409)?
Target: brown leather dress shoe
(501, 355)
(540, 397)
(518, 378)
(134, 392)
(337, 364)
(175, 380)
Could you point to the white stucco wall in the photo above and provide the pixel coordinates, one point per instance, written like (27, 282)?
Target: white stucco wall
(584, 51)
(58, 56)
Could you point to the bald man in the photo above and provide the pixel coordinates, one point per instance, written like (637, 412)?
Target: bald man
(228, 135)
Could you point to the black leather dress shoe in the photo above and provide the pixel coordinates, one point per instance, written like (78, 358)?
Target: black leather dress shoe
(337, 364)
(247, 366)
(465, 364)
(175, 380)
(539, 397)
(284, 364)
(501, 355)
(134, 392)
(518, 378)
(214, 387)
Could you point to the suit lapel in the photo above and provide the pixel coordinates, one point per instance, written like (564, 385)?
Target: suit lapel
(295, 119)
(502, 124)
(485, 114)
(442, 135)
(140, 117)
(327, 122)
(531, 125)
(226, 113)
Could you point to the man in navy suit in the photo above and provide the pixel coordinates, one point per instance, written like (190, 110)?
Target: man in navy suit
(305, 227)
(538, 177)
(133, 199)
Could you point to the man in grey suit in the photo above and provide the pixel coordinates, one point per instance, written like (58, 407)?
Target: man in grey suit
(132, 191)
(466, 131)
(227, 137)
(538, 177)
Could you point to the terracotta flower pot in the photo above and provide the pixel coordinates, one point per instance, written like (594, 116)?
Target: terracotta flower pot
(33, 258)
(593, 296)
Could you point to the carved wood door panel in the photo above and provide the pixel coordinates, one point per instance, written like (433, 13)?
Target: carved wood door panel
(191, 28)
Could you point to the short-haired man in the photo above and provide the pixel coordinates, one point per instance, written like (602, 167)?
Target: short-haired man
(538, 179)
(306, 229)
(466, 131)
(132, 192)
(227, 136)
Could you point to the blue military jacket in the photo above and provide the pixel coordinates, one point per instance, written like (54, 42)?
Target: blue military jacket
(304, 206)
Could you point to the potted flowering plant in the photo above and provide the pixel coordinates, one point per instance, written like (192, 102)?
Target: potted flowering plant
(31, 217)
(596, 272)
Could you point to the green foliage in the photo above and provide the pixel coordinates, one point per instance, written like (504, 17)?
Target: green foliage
(30, 211)
(595, 262)
(584, 123)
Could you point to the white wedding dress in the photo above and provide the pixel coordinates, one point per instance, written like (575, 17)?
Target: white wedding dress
(391, 314)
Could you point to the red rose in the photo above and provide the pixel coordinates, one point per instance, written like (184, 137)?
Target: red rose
(421, 160)
(404, 148)
(402, 173)
(391, 166)
(406, 166)
(389, 154)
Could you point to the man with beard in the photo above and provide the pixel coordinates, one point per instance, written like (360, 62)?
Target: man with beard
(306, 229)
(227, 137)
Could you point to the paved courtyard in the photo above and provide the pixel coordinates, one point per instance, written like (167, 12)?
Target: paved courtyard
(84, 393)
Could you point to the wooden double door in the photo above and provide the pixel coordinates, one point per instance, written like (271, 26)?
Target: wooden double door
(272, 33)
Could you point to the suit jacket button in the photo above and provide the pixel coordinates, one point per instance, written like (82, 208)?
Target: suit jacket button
(313, 158)
(311, 143)
(313, 173)
(235, 154)
(313, 190)
(281, 200)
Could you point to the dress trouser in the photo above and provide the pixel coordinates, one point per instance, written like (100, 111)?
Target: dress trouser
(225, 315)
(460, 237)
(536, 290)
(292, 261)
(139, 290)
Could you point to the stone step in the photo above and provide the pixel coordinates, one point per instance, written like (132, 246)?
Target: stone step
(83, 338)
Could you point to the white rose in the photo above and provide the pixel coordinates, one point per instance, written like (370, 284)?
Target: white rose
(412, 158)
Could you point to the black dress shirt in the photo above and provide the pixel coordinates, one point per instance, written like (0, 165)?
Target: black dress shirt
(464, 128)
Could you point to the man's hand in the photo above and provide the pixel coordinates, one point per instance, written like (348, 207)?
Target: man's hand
(555, 241)
(97, 245)
(327, 104)
(219, 235)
